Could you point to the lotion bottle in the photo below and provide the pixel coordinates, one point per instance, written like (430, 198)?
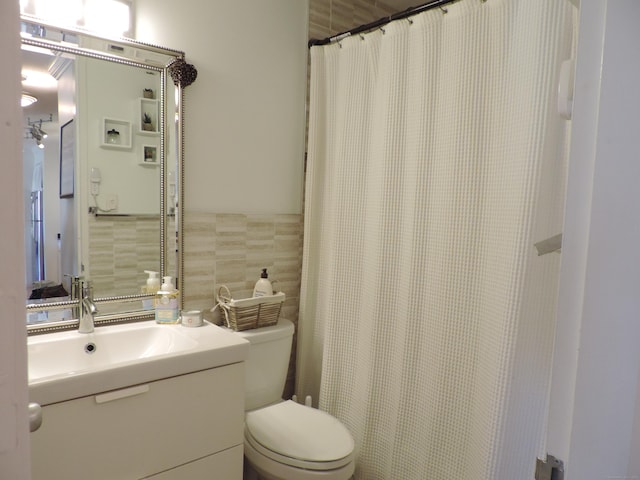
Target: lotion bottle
(152, 287)
(263, 285)
(167, 302)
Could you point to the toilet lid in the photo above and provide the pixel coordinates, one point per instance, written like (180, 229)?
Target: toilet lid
(300, 432)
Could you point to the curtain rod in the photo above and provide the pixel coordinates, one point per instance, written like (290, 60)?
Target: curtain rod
(378, 23)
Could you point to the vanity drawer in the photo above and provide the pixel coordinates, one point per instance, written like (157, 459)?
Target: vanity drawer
(225, 465)
(141, 430)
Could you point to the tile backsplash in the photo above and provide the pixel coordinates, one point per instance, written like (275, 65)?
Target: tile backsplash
(329, 17)
(231, 250)
(219, 249)
(121, 248)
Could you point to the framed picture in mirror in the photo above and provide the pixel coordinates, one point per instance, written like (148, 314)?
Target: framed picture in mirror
(150, 155)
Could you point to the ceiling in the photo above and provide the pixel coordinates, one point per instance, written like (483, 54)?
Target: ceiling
(35, 65)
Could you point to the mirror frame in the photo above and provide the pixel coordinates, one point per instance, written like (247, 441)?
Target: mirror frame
(175, 57)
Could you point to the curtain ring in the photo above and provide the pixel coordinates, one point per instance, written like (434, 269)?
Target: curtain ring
(362, 37)
(383, 30)
(444, 10)
(410, 20)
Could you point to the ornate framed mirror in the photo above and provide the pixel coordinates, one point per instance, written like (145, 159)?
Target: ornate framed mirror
(103, 167)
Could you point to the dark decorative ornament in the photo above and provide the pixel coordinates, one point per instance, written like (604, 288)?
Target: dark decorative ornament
(182, 73)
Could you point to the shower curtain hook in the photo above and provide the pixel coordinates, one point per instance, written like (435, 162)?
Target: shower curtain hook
(444, 10)
(410, 20)
(382, 30)
(362, 37)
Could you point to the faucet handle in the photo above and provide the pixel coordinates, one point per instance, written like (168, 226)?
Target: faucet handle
(76, 285)
(74, 278)
(87, 289)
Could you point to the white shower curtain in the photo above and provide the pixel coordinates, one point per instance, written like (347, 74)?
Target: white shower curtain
(436, 161)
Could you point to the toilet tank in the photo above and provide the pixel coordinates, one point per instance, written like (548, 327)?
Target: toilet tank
(267, 364)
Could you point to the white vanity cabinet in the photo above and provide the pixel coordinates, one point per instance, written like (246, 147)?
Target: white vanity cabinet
(184, 427)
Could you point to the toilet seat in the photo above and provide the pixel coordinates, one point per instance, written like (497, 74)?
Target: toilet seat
(299, 436)
(273, 470)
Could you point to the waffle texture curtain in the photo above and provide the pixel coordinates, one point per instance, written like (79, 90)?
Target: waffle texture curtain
(436, 161)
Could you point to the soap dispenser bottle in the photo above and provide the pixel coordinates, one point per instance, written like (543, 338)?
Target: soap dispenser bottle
(263, 285)
(167, 302)
(151, 288)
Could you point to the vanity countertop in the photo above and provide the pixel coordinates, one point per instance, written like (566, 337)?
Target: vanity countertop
(68, 365)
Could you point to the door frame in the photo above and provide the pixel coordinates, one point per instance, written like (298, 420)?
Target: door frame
(594, 395)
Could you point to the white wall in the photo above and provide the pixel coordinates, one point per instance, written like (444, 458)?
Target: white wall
(113, 91)
(14, 435)
(245, 115)
(594, 394)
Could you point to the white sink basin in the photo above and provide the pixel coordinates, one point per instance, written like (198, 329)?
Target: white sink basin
(68, 365)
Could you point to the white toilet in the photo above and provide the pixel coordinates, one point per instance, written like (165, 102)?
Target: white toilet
(284, 440)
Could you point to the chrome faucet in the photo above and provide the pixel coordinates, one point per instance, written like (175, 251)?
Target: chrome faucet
(87, 310)
(82, 291)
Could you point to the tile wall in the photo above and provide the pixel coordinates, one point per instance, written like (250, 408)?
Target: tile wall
(121, 248)
(329, 17)
(231, 250)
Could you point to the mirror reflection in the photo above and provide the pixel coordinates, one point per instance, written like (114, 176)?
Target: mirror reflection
(100, 140)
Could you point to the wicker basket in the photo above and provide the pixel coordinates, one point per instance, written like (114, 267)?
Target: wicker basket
(249, 313)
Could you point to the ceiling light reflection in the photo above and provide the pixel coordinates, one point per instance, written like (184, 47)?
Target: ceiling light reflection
(26, 100)
(34, 79)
